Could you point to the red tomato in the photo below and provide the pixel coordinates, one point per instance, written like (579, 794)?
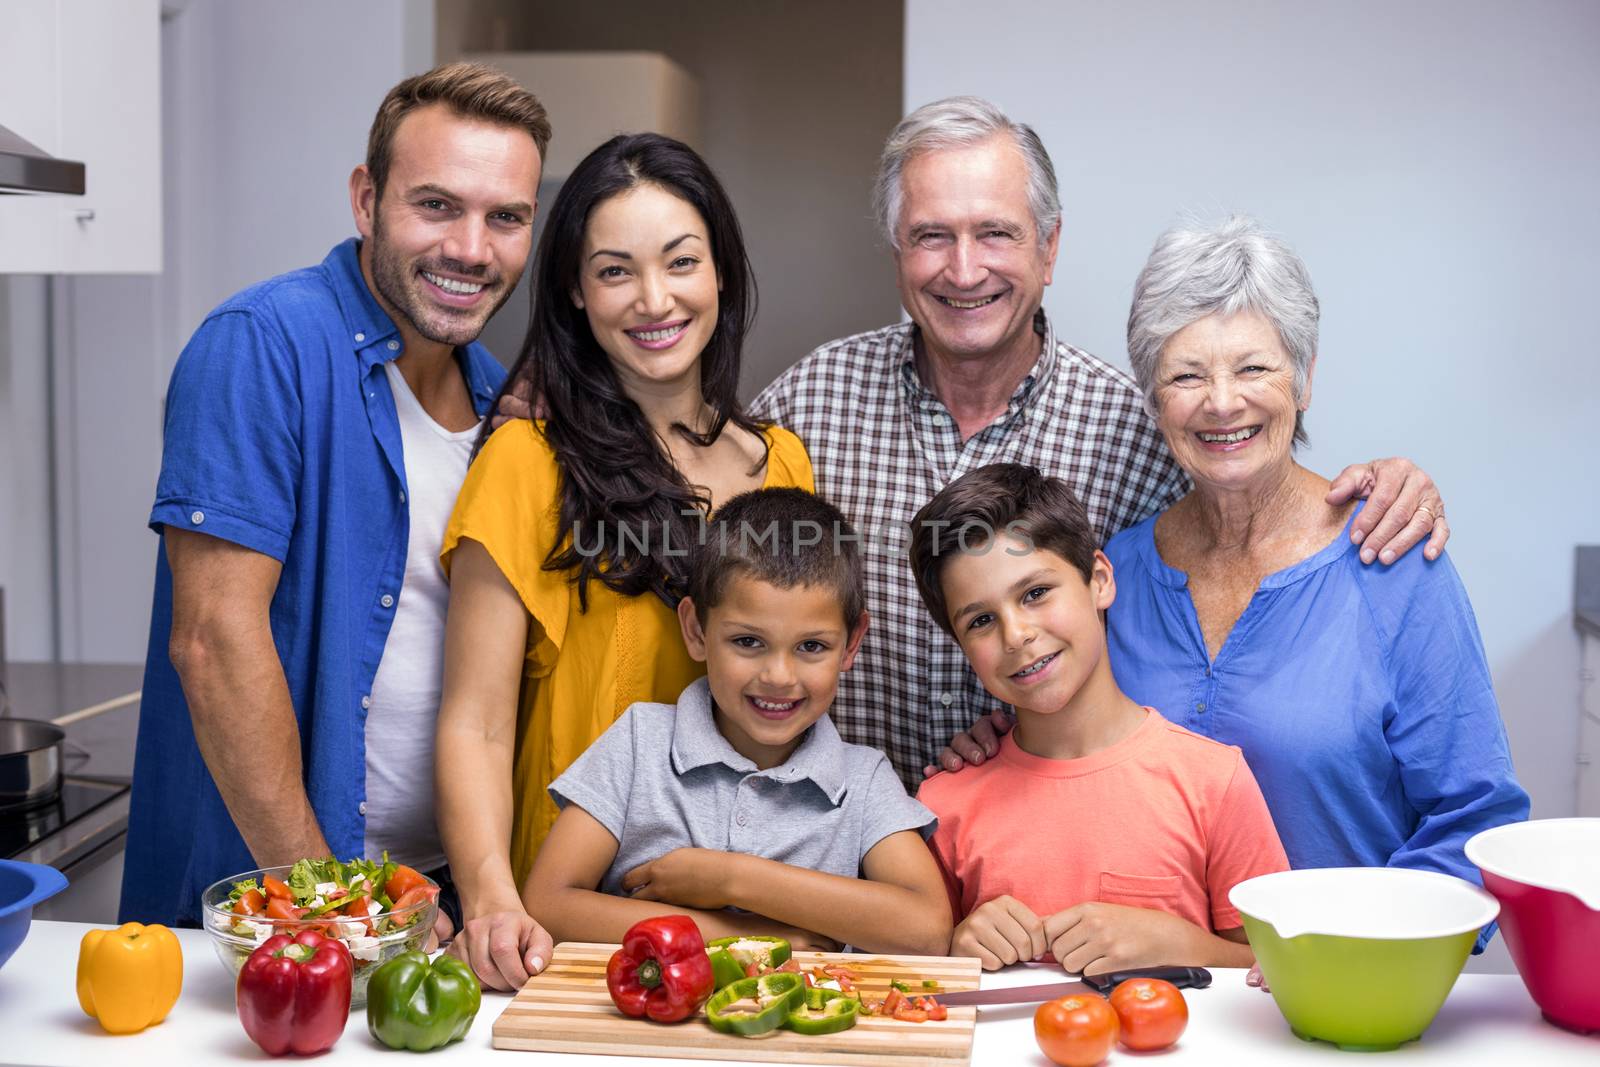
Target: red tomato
(402, 881)
(1153, 1013)
(279, 908)
(276, 890)
(415, 895)
(1075, 1031)
(252, 903)
(357, 909)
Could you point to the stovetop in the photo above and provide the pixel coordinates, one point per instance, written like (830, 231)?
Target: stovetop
(66, 828)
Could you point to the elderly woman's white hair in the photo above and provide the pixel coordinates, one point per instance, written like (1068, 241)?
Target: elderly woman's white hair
(956, 122)
(1198, 270)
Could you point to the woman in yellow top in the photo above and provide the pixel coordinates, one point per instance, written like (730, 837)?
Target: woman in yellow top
(565, 551)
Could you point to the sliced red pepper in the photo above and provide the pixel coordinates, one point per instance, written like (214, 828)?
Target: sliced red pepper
(661, 971)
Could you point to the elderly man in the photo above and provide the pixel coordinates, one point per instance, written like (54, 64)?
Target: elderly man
(318, 428)
(968, 201)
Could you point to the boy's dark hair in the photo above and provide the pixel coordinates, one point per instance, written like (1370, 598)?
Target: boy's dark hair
(1002, 498)
(784, 537)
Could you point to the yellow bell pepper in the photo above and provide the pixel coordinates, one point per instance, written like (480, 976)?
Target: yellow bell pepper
(129, 978)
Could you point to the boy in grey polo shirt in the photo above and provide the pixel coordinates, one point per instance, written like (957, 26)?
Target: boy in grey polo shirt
(740, 805)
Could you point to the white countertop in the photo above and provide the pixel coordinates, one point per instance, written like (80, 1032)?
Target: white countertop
(1488, 1019)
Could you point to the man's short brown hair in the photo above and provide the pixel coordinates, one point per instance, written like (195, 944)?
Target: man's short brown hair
(471, 90)
(1002, 498)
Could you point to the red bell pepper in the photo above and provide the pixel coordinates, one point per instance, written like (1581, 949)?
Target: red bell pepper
(294, 993)
(662, 970)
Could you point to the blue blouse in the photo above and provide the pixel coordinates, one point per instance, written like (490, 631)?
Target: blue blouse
(1359, 694)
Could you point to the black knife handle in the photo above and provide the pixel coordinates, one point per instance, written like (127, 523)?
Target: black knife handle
(1182, 977)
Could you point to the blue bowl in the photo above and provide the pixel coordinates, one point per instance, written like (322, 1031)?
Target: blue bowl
(22, 885)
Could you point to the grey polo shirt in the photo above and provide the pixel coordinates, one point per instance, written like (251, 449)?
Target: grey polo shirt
(663, 777)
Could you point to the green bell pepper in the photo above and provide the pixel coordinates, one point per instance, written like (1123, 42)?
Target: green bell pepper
(751, 1007)
(826, 1011)
(417, 1005)
(731, 956)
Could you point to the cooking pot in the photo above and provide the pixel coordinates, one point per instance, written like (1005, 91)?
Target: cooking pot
(30, 761)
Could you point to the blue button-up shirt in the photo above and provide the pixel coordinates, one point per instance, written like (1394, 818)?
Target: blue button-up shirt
(1360, 696)
(281, 436)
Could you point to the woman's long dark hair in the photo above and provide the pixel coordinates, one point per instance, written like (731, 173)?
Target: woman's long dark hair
(615, 475)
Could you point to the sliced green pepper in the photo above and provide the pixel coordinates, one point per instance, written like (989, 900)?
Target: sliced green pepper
(751, 1007)
(730, 956)
(826, 1011)
(725, 970)
(417, 1005)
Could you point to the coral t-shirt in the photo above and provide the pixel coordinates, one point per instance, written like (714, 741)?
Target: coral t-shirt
(1163, 819)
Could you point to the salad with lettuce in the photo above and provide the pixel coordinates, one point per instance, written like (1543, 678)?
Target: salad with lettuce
(358, 901)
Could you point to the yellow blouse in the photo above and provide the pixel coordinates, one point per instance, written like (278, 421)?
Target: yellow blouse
(583, 668)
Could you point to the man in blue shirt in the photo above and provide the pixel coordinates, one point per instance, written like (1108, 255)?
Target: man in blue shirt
(290, 562)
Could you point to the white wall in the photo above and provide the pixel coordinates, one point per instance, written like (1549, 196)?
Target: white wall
(24, 477)
(265, 112)
(795, 102)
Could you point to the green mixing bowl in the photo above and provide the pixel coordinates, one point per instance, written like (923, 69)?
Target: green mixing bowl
(1362, 957)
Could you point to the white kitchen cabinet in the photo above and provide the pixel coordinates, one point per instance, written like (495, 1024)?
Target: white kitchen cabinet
(81, 79)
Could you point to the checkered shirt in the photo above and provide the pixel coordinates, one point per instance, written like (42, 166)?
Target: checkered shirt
(882, 445)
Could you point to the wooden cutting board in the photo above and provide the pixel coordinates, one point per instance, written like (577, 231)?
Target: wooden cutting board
(567, 1009)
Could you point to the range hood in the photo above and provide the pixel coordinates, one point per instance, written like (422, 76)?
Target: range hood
(26, 168)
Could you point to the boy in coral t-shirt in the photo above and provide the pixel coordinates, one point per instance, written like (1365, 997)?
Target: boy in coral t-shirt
(1101, 834)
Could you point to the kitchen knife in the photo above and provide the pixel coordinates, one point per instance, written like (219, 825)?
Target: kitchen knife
(1099, 984)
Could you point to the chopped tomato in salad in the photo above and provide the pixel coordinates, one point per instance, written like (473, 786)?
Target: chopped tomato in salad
(357, 902)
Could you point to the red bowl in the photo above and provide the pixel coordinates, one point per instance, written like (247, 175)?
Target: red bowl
(1546, 875)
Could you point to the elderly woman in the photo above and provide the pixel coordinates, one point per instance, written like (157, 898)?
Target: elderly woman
(1360, 695)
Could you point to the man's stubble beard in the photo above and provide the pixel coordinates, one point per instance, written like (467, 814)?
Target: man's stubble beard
(397, 284)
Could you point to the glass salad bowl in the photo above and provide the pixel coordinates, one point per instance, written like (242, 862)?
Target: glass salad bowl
(329, 897)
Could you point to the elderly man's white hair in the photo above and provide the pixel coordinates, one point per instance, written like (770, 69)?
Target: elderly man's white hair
(1223, 268)
(957, 122)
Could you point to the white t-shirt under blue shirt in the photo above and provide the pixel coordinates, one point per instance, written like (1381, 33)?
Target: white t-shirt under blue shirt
(406, 690)
(663, 777)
